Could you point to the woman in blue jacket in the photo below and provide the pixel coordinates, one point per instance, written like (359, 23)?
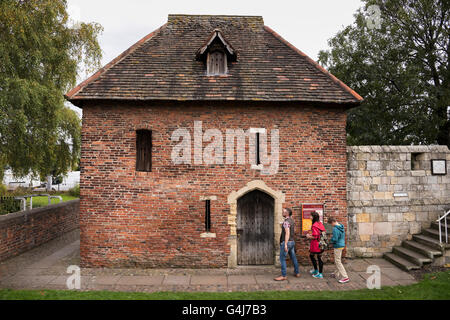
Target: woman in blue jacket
(338, 240)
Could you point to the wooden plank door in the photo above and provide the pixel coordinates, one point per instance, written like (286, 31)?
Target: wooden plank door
(255, 214)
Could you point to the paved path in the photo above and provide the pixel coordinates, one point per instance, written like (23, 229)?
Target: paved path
(45, 267)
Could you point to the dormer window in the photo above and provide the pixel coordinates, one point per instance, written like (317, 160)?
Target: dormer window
(216, 54)
(216, 63)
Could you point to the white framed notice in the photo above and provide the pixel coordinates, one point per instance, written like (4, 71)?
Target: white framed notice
(438, 166)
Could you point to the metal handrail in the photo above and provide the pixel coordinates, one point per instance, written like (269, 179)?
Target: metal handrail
(24, 199)
(445, 224)
(54, 197)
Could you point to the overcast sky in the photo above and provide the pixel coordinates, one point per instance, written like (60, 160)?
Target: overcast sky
(306, 24)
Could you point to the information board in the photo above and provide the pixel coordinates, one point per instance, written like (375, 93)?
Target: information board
(307, 209)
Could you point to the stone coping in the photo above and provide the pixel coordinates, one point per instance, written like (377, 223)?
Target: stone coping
(35, 211)
(371, 149)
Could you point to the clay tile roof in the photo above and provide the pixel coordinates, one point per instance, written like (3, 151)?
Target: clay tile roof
(163, 66)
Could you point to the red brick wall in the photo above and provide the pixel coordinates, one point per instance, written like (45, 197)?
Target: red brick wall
(155, 219)
(22, 231)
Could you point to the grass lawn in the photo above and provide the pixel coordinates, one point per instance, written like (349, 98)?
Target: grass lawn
(43, 201)
(434, 287)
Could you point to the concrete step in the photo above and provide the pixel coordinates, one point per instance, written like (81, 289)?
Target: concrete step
(421, 248)
(435, 225)
(401, 262)
(411, 255)
(433, 233)
(428, 241)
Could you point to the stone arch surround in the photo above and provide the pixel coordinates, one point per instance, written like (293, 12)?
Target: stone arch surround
(279, 199)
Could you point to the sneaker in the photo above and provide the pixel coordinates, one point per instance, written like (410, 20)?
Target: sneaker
(313, 271)
(344, 280)
(280, 278)
(318, 276)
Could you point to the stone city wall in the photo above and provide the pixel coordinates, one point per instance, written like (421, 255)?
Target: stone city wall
(392, 194)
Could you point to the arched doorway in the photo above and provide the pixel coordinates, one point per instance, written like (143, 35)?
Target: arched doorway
(233, 197)
(255, 229)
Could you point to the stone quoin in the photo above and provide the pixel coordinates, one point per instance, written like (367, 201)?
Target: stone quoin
(139, 208)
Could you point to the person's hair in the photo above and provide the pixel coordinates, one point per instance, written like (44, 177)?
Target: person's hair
(315, 217)
(289, 210)
(331, 220)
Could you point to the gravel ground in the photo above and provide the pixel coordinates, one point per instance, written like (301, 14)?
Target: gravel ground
(419, 274)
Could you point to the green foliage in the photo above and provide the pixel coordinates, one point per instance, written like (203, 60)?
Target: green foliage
(20, 191)
(75, 191)
(400, 69)
(41, 54)
(8, 204)
(3, 189)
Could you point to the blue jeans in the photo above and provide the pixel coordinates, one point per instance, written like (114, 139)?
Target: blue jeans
(283, 254)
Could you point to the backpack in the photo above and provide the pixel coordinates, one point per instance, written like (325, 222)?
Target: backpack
(323, 242)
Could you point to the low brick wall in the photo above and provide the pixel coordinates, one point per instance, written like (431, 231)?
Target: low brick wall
(392, 194)
(22, 231)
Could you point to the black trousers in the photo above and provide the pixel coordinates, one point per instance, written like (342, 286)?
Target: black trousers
(312, 256)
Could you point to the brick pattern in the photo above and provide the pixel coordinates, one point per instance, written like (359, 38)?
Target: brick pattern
(156, 219)
(22, 231)
(163, 66)
(380, 220)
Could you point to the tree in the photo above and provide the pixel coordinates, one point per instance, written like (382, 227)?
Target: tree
(400, 67)
(41, 52)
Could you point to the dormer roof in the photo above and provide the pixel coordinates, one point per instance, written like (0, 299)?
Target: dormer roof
(216, 37)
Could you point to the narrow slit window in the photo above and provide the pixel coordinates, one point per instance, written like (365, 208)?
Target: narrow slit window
(258, 159)
(207, 215)
(144, 150)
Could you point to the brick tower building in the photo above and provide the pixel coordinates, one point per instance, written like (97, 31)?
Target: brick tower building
(175, 168)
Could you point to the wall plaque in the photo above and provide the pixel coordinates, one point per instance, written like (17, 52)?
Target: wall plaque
(438, 166)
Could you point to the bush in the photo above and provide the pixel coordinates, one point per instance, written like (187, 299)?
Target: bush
(75, 191)
(3, 189)
(8, 205)
(20, 191)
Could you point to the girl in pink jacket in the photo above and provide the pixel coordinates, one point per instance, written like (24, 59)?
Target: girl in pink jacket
(314, 250)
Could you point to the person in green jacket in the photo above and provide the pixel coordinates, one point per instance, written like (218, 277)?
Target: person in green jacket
(338, 241)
